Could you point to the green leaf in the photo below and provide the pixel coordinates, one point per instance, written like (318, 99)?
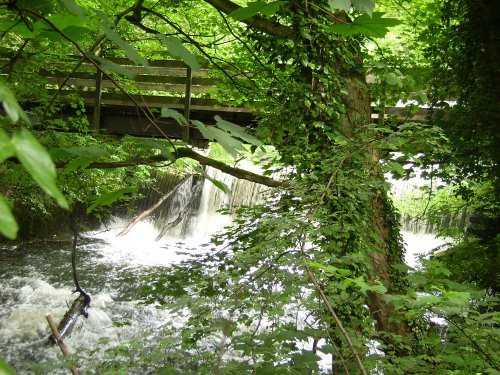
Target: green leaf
(272, 8)
(222, 186)
(255, 7)
(230, 144)
(64, 21)
(431, 299)
(175, 47)
(378, 288)
(250, 10)
(330, 270)
(127, 48)
(149, 143)
(114, 67)
(72, 7)
(396, 168)
(344, 5)
(8, 227)
(37, 162)
(40, 6)
(109, 198)
(8, 24)
(10, 104)
(393, 79)
(92, 152)
(6, 148)
(459, 298)
(76, 33)
(375, 26)
(172, 113)
(343, 271)
(236, 131)
(364, 6)
(316, 265)
(78, 163)
(364, 286)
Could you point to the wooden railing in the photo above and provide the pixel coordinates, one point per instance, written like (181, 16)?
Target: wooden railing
(164, 83)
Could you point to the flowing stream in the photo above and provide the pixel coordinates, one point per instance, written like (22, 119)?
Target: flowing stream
(36, 279)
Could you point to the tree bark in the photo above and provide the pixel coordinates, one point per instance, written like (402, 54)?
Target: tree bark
(386, 250)
(258, 22)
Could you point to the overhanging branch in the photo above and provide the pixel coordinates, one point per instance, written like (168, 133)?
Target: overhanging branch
(257, 22)
(185, 152)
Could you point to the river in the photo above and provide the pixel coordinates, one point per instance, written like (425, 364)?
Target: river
(36, 280)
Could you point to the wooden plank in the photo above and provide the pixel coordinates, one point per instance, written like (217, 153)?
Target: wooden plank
(151, 70)
(403, 114)
(151, 87)
(152, 101)
(166, 71)
(142, 78)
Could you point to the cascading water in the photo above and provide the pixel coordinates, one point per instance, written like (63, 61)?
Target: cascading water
(35, 278)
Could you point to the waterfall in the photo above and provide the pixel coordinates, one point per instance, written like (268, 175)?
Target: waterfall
(196, 203)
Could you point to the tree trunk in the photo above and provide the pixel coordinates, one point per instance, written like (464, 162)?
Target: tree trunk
(386, 250)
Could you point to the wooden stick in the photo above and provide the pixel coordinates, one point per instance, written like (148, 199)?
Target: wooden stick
(60, 342)
(150, 210)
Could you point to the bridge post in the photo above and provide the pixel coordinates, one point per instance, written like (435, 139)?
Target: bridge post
(187, 104)
(96, 119)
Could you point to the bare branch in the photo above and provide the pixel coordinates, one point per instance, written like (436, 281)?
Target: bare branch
(260, 23)
(150, 210)
(185, 152)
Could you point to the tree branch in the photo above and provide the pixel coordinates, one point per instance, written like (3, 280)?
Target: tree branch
(258, 22)
(150, 210)
(185, 152)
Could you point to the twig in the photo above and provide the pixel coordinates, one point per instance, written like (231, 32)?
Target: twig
(246, 46)
(181, 32)
(93, 49)
(62, 346)
(474, 343)
(147, 113)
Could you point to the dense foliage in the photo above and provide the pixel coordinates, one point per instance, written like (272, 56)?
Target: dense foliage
(317, 271)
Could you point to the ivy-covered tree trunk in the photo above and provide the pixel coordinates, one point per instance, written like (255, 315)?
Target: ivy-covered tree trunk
(319, 118)
(384, 248)
(318, 115)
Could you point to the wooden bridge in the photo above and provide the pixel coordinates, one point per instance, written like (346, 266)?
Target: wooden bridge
(162, 84)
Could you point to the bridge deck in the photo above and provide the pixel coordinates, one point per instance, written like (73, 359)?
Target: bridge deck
(164, 83)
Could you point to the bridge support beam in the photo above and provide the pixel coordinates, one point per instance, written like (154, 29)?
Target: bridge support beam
(96, 119)
(187, 104)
